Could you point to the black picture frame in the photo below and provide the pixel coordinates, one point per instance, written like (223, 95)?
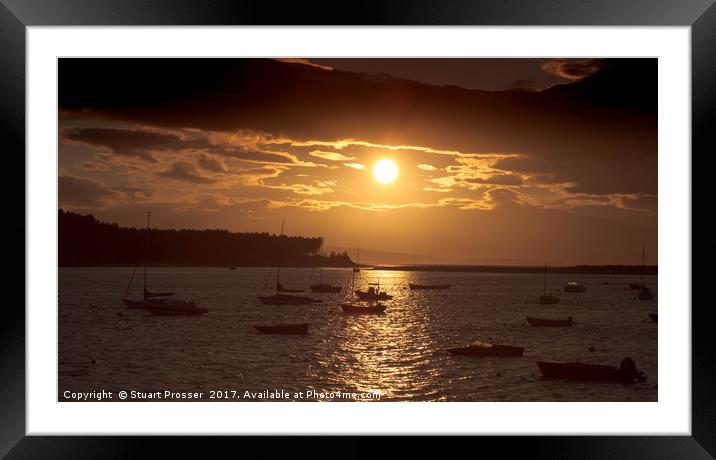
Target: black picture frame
(16, 15)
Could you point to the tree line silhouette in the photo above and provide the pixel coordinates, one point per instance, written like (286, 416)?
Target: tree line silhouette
(83, 240)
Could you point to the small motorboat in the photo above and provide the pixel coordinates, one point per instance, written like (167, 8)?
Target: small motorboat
(232, 268)
(548, 300)
(545, 322)
(415, 287)
(478, 348)
(372, 309)
(373, 293)
(654, 317)
(289, 329)
(625, 373)
(646, 294)
(574, 286)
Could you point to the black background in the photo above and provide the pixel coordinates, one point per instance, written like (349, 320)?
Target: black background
(15, 15)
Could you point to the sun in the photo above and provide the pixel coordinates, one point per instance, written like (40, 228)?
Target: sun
(385, 171)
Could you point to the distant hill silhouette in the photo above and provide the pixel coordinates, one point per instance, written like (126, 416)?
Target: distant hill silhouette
(574, 270)
(83, 240)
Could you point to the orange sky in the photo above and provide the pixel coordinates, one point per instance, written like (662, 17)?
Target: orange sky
(566, 175)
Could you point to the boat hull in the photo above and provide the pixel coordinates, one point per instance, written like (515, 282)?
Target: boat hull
(134, 304)
(546, 322)
(416, 287)
(165, 307)
(288, 329)
(363, 295)
(495, 350)
(588, 372)
(575, 289)
(363, 310)
(284, 299)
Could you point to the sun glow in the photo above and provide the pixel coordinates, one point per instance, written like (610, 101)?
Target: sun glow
(385, 171)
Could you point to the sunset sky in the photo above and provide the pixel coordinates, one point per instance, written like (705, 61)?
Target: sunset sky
(499, 161)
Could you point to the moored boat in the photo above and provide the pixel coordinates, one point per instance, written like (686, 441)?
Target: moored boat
(546, 299)
(158, 303)
(279, 298)
(625, 373)
(644, 292)
(371, 309)
(478, 348)
(373, 293)
(324, 288)
(288, 329)
(414, 286)
(545, 322)
(574, 286)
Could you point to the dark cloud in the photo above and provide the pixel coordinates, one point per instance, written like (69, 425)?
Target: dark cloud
(81, 192)
(131, 142)
(257, 156)
(185, 172)
(133, 192)
(502, 196)
(579, 129)
(211, 164)
(573, 69)
(94, 166)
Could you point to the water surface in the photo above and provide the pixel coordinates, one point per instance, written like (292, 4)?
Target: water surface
(402, 354)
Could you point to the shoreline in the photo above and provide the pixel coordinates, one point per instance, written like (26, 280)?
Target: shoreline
(564, 270)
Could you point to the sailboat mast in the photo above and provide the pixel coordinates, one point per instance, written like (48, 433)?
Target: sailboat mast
(278, 261)
(146, 252)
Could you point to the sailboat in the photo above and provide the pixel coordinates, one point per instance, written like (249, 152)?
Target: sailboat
(644, 292)
(356, 269)
(545, 299)
(351, 308)
(322, 287)
(159, 303)
(285, 299)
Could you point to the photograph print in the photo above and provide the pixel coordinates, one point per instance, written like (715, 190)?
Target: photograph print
(357, 229)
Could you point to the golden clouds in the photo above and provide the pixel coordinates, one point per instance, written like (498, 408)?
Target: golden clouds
(249, 164)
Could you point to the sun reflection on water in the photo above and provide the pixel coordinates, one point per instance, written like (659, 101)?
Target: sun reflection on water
(389, 353)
